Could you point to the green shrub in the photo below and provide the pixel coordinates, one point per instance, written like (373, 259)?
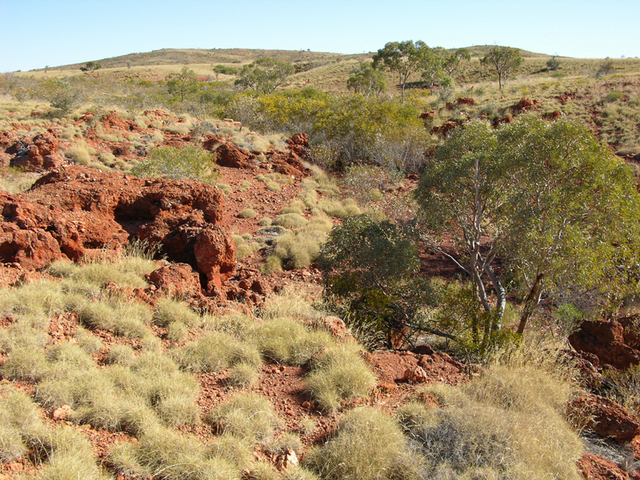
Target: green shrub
(177, 332)
(248, 213)
(368, 445)
(72, 458)
(89, 343)
(190, 162)
(19, 420)
(273, 187)
(24, 363)
(120, 355)
(499, 423)
(170, 455)
(243, 375)
(170, 310)
(285, 340)
(613, 96)
(214, 352)
(339, 373)
(246, 415)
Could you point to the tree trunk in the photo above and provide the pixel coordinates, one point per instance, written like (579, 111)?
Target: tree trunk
(530, 303)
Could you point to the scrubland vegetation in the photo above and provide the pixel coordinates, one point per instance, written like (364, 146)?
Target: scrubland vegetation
(538, 218)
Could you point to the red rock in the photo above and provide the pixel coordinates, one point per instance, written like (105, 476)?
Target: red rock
(604, 416)
(594, 467)
(176, 280)
(430, 115)
(609, 341)
(445, 128)
(215, 253)
(230, 155)
(554, 115)
(415, 375)
(525, 104)
(62, 413)
(466, 101)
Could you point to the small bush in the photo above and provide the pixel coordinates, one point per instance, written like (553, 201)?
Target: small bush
(214, 352)
(339, 373)
(169, 310)
(79, 153)
(287, 341)
(177, 332)
(368, 445)
(247, 416)
(243, 375)
(170, 455)
(24, 363)
(290, 220)
(120, 355)
(248, 213)
(273, 187)
(190, 162)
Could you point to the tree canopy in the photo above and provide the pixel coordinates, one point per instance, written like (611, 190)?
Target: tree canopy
(504, 61)
(366, 80)
(265, 74)
(403, 58)
(558, 209)
(182, 83)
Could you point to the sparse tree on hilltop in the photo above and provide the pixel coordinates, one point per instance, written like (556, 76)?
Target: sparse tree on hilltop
(453, 60)
(404, 58)
(504, 61)
(265, 74)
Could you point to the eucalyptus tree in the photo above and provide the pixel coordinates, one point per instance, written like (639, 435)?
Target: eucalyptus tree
(555, 206)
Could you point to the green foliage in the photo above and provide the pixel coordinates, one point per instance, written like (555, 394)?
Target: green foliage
(247, 416)
(265, 74)
(368, 445)
(285, 340)
(454, 60)
(91, 66)
(404, 58)
(556, 204)
(504, 61)
(190, 162)
(366, 80)
(369, 270)
(605, 68)
(218, 69)
(509, 421)
(182, 83)
(339, 373)
(553, 64)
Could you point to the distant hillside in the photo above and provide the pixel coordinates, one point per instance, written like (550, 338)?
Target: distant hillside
(172, 56)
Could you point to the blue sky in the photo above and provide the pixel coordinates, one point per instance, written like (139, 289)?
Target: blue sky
(35, 33)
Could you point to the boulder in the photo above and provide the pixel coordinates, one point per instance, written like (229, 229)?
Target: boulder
(604, 417)
(594, 467)
(613, 342)
(176, 280)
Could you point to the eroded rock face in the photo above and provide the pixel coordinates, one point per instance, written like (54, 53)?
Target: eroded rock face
(604, 417)
(75, 209)
(614, 342)
(40, 155)
(594, 467)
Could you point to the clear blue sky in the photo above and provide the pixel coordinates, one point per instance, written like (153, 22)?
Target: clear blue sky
(35, 33)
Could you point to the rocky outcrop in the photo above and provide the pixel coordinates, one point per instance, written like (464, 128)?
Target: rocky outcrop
(228, 154)
(40, 155)
(403, 367)
(594, 467)
(603, 416)
(614, 343)
(74, 210)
